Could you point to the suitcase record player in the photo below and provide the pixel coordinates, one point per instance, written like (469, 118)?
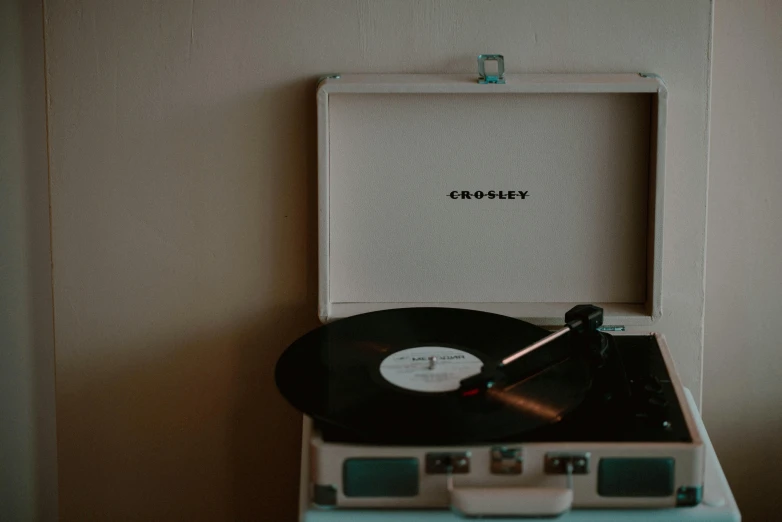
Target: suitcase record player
(464, 223)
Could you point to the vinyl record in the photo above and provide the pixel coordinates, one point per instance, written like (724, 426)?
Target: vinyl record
(393, 376)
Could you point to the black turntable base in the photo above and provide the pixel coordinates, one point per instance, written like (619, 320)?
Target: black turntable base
(392, 378)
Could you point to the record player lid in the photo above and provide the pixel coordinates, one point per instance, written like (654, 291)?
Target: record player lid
(522, 198)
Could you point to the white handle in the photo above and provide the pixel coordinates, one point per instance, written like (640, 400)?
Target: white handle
(511, 501)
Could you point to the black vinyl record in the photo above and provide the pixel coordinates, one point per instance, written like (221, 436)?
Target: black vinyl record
(393, 376)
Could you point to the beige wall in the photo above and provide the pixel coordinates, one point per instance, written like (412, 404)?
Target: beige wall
(182, 145)
(742, 383)
(28, 465)
(182, 142)
(185, 233)
(151, 414)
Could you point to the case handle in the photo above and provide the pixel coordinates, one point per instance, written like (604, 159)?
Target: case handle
(511, 501)
(517, 501)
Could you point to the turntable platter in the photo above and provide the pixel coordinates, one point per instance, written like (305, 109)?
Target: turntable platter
(396, 373)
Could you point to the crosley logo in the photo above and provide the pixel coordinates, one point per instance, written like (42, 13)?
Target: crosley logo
(491, 194)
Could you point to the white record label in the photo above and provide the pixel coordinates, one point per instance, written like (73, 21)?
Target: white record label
(429, 368)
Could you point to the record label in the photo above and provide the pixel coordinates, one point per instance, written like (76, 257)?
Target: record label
(429, 368)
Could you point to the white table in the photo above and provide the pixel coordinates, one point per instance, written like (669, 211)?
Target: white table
(718, 503)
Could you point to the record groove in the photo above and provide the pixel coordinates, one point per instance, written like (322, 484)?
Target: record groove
(334, 375)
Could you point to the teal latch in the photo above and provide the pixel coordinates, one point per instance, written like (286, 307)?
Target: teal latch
(499, 77)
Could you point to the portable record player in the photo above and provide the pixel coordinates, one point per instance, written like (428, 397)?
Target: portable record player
(463, 223)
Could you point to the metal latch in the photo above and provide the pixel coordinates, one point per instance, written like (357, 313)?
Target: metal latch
(499, 77)
(441, 463)
(566, 463)
(505, 461)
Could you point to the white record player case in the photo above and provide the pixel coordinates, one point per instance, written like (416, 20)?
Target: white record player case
(588, 151)
(407, 167)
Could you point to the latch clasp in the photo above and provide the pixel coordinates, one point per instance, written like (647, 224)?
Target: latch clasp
(499, 77)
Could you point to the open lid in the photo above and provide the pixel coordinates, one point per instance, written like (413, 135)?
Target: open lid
(522, 198)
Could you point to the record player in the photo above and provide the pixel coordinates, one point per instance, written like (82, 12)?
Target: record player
(490, 274)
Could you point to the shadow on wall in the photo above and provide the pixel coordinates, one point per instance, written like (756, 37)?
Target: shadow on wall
(184, 423)
(749, 446)
(195, 430)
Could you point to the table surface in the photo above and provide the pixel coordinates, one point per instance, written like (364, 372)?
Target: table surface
(718, 503)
